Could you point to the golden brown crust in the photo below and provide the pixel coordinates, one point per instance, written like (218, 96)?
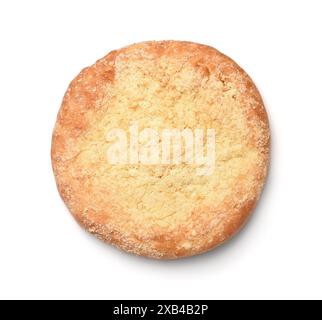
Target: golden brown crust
(133, 212)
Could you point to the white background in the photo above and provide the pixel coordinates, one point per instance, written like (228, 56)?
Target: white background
(45, 254)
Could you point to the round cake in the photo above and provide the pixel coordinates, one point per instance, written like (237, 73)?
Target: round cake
(162, 148)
